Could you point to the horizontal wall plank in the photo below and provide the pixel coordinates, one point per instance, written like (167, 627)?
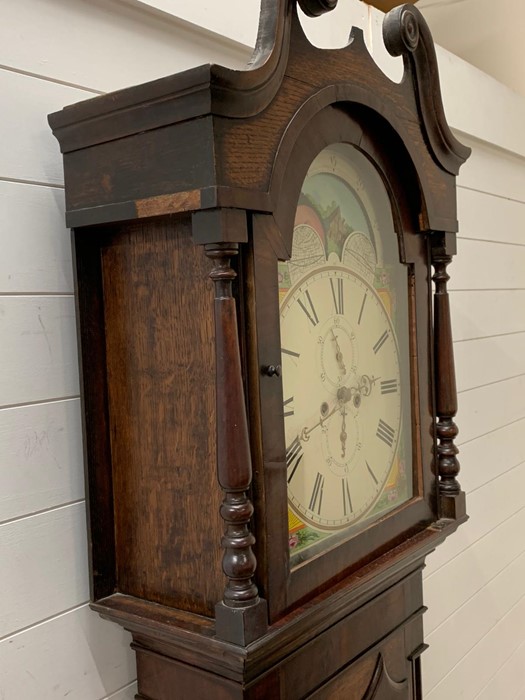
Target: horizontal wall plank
(487, 265)
(127, 693)
(454, 584)
(493, 171)
(491, 455)
(478, 105)
(488, 507)
(479, 314)
(212, 17)
(35, 244)
(486, 360)
(474, 671)
(76, 655)
(127, 45)
(490, 408)
(40, 457)
(490, 218)
(33, 152)
(475, 619)
(511, 675)
(38, 353)
(44, 567)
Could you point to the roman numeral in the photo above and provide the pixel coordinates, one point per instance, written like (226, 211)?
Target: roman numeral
(361, 310)
(389, 386)
(385, 433)
(294, 455)
(371, 473)
(290, 410)
(347, 501)
(337, 295)
(377, 347)
(317, 494)
(310, 312)
(290, 352)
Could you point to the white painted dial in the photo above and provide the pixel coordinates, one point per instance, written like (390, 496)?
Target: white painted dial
(342, 396)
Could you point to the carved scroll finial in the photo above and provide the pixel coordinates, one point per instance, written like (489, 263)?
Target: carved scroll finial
(401, 30)
(409, 30)
(406, 34)
(315, 8)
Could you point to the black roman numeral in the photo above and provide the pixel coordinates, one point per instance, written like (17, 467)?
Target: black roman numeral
(377, 347)
(290, 410)
(389, 386)
(371, 473)
(337, 294)
(317, 494)
(294, 455)
(361, 310)
(310, 313)
(385, 433)
(347, 500)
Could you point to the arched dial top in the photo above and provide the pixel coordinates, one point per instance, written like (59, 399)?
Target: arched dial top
(344, 355)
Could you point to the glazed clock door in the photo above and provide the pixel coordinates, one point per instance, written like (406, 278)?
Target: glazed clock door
(344, 325)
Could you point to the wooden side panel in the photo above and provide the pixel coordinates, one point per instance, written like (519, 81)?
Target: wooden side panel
(160, 380)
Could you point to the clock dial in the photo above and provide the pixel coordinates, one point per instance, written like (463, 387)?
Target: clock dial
(343, 406)
(344, 306)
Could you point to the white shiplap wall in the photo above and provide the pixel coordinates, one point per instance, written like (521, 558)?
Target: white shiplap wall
(474, 583)
(55, 52)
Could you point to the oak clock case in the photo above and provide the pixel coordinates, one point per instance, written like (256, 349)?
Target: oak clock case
(267, 379)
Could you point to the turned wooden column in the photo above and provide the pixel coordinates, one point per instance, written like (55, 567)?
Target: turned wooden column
(443, 247)
(241, 616)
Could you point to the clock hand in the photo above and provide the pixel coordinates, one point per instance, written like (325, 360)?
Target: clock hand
(364, 388)
(366, 384)
(305, 432)
(338, 353)
(343, 396)
(343, 434)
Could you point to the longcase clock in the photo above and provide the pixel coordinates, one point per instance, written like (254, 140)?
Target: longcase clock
(268, 380)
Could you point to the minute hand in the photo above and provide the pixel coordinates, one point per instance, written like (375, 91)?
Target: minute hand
(305, 433)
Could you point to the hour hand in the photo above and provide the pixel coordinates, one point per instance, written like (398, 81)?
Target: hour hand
(338, 353)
